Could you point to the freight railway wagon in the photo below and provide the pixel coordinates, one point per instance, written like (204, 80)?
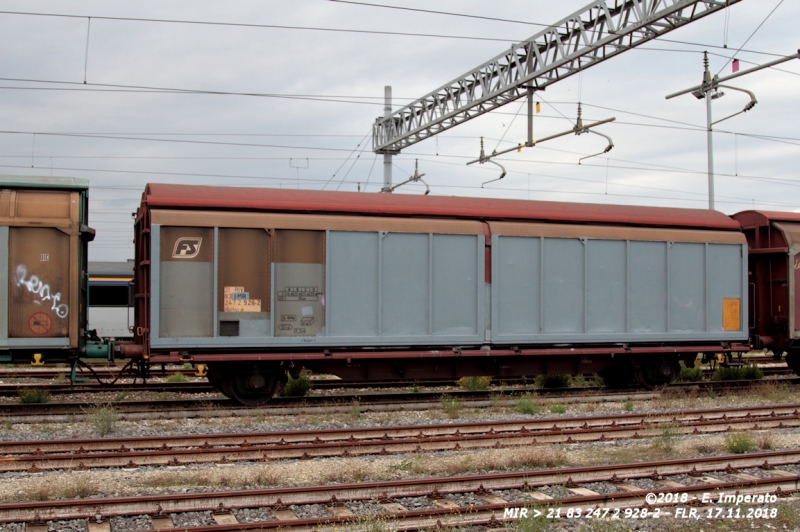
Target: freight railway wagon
(43, 248)
(258, 282)
(773, 239)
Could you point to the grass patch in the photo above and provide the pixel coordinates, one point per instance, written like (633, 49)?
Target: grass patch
(33, 395)
(739, 442)
(526, 405)
(60, 487)
(776, 392)
(177, 377)
(298, 387)
(475, 383)
(103, 419)
(738, 373)
(596, 380)
(693, 374)
(553, 381)
(628, 406)
(788, 516)
(121, 396)
(666, 440)
(451, 406)
(517, 458)
(765, 441)
(557, 408)
(580, 380)
(234, 478)
(355, 409)
(705, 447)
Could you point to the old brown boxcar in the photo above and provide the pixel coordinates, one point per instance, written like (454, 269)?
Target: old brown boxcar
(255, 282)
(773, 240)
(43, 250)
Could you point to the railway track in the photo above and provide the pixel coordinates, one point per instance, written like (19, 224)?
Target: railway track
(202, 386)
(365, 402)
(429, 502)
(133, 452)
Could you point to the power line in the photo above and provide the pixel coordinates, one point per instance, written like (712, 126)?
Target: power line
(172, 90)
(261, 26)
(431, 11)
(182, 141)
(751, 36)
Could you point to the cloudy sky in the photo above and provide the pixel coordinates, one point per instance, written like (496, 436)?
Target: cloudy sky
(120, 133)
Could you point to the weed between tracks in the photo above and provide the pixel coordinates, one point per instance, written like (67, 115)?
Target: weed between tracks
(451, 406)
(475, 383)
(72, 486)
(177, 377)
(102, 418)
(298, 387)
(527, 405)
(33, 395)
(739, 443)
(738, 373)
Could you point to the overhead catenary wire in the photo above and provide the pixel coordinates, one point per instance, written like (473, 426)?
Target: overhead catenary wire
(263, 26)
(362, 141)
(448, 13)
(751, 36)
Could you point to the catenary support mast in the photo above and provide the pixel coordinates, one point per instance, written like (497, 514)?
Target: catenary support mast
(599, 31)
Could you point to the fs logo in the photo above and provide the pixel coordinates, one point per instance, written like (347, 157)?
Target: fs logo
(187, 247)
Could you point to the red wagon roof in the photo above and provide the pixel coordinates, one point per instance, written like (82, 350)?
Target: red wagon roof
(315, 201)
(750, 218)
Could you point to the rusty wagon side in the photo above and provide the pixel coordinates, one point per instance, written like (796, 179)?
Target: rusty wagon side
(44, 235)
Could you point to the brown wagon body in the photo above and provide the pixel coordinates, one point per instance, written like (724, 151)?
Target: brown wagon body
(43, 252)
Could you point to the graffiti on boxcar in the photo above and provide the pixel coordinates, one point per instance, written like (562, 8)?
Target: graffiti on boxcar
(41, 289)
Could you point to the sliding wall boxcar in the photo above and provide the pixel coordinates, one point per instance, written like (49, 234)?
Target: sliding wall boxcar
(43, 251)
(313, 270)
(555, 283)
(283, 280)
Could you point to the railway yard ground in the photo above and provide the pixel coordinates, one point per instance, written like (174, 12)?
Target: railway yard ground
(450, 459)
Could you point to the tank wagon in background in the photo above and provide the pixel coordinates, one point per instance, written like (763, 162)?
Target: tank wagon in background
(258, 283)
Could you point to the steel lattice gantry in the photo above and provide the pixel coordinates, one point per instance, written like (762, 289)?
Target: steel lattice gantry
(597, 32)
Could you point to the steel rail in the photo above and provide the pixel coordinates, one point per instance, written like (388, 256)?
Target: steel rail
(367, 402)
(278, 499)
(491, 514)
(12, 389)
(38, 456)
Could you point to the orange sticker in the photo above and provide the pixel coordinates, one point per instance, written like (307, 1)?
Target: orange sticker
(40, 323)
(731, 314)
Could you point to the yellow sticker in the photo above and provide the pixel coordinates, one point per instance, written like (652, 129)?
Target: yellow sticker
(731, 314)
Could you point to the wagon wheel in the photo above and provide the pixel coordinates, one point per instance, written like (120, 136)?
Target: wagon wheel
(218, 380)
(655, 373)
(253, 385)
(793, 360)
